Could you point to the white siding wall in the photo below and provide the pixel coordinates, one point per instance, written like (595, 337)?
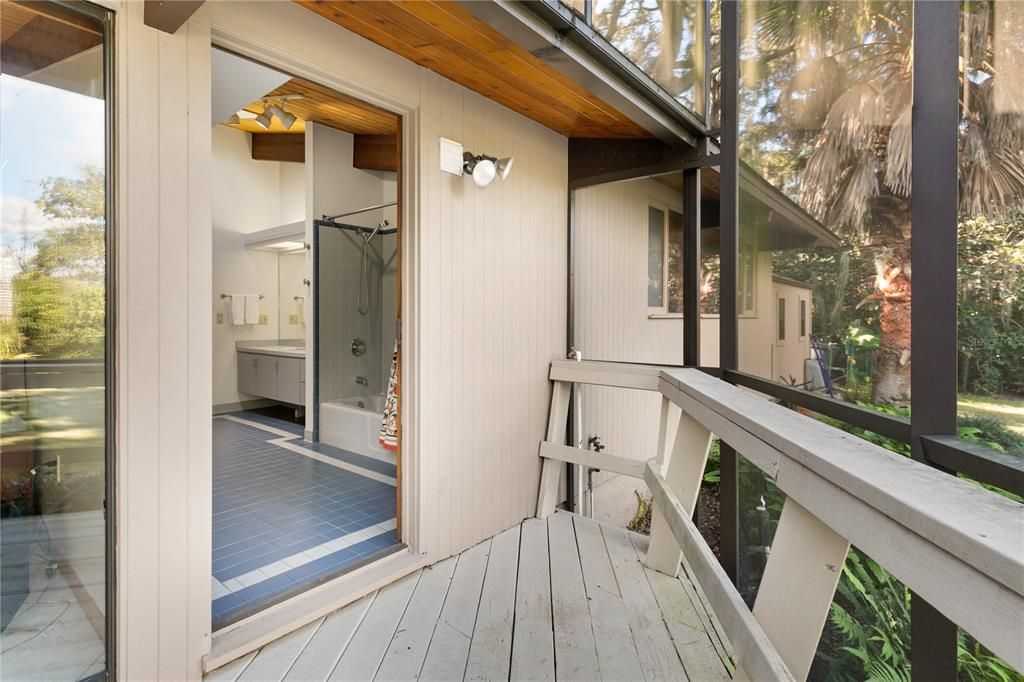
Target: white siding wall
(164, 347)
(483, 279)
(612, 322)
(492, 314)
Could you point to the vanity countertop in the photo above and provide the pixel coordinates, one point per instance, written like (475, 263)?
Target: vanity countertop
(279, 348)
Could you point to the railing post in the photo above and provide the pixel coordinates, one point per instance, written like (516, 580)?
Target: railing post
(551, 469)
(683, 472)
(800, 578)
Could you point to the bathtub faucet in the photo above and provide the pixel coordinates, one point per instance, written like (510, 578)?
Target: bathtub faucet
(362, 381)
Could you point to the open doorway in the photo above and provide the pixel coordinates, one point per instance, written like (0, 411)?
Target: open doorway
(306, 249)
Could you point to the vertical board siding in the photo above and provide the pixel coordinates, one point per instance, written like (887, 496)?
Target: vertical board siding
(612, 323)
(483, 285)
(163, 357)
(493, 308)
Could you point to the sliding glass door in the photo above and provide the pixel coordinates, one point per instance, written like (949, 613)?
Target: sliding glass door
(54, 339)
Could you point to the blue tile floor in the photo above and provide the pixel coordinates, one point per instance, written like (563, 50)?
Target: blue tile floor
(288, 514)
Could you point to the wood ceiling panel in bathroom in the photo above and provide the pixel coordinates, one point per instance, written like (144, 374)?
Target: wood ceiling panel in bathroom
(326, 106)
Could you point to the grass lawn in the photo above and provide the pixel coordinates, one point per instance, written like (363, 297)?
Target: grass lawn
(1007, 409)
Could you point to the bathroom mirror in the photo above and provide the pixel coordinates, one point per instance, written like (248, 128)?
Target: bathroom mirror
(292, 294)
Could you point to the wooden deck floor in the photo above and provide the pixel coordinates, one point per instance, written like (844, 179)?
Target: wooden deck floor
(564, 598)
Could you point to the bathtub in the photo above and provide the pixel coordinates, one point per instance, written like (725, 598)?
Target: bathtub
(353, 424)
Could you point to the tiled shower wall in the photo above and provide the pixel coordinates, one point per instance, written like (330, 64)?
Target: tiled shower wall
(340, 320)
(338, 187)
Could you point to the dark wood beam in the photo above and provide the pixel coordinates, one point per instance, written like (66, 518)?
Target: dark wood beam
(597, 161)
(375, 152)
(169, 15)
(289, 147)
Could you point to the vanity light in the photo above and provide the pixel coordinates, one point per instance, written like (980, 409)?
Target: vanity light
(485, 168)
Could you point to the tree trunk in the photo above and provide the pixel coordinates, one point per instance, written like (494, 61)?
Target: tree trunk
(891, 381)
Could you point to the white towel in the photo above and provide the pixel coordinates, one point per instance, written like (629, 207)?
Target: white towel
(237, 305)
(252, 309)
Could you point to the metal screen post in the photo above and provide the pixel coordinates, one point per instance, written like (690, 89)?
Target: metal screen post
(729, 241)
(691, 267)
(933, 197)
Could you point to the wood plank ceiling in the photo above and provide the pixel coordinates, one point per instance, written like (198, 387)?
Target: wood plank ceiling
(34, 35)
(446, 39)
(326, 106)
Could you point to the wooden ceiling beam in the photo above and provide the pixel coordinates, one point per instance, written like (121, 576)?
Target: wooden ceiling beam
(169, 15)
(289, 147)
(375, 152)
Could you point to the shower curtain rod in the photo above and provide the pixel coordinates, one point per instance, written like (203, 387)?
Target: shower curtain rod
(352, 228)
(362, 210)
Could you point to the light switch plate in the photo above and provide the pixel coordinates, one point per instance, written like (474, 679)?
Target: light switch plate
(264, 319)
(220, 318)
(293, 319)
(451, 156)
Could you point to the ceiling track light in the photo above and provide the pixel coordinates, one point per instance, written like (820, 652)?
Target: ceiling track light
(266, 117)
(485, 168)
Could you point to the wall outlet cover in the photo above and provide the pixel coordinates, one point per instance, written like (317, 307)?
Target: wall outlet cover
(264, 319)
(293, 319)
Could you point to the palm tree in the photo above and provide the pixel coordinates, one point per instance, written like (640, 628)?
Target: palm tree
(831, 84)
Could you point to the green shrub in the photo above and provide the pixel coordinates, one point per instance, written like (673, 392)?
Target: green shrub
(990, 431)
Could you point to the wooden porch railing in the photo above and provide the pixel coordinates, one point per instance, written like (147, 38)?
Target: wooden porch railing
(958, 546)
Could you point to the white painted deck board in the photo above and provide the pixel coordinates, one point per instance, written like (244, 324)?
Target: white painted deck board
(575, 650)
(275, 660)
(366, 649)
(533, 646)
(491, 650)
(562, 598)
(658, 656)
(449, 647)
(331, 640)
(404, 658)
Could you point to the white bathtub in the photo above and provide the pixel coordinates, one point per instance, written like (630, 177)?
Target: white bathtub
(353, 424)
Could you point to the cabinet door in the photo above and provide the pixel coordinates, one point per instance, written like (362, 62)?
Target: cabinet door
(266, 376)
(247, 373)
(291, 380)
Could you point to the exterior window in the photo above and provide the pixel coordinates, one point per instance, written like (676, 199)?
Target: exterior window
(655, 258)
(803, 318)
(54, 332)
(782, 319)
(664, 261)
(745, 286)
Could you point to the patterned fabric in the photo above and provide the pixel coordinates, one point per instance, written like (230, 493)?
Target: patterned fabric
(389, 425)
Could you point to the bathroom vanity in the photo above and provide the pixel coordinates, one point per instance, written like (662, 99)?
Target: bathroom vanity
(274, 370)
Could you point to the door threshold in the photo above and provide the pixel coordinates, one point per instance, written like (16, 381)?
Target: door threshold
(256, 631)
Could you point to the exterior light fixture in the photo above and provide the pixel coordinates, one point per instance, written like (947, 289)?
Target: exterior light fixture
(485, 168)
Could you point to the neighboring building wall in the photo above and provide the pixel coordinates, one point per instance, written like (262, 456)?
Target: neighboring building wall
(483, 289)
(789, 355)
(612, 320)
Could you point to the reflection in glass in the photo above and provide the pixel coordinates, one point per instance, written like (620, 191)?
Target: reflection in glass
(52, 341)
(991, 230)
(664, 39)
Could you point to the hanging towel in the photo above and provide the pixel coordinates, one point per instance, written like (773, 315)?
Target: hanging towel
(252, 308)
(237, 305)
(389, 424)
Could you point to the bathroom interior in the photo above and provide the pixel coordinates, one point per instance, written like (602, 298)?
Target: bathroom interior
(305, 355)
